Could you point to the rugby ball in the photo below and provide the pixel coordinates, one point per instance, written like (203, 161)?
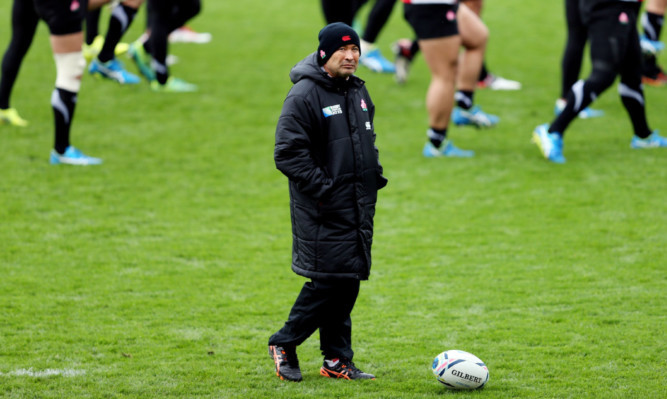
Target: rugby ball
(457, 369)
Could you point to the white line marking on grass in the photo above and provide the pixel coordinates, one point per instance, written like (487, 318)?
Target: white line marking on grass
(43, 373)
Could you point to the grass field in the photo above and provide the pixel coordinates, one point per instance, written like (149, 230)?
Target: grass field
(162, 272)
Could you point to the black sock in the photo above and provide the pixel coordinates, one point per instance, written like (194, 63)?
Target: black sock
(63, 103)
(652, 24)
(483, 73)
(92, 25)
(414, 48)
(633, 101)
(121, 18)
(464, 98)
(436, 136)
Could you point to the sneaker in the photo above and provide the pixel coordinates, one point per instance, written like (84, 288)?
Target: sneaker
(174, 85)
(550, 144)
(651, 46)
(10, 116)
(401, 50)
(142, 59)
(374, 61)
(343, 368)
(659, 80)
(586, 113)
(287, 364)
(447, 149)
(494, 82)
(653, 141)
(113, 70)
(185, 34)
(73, 156)
(473, 117)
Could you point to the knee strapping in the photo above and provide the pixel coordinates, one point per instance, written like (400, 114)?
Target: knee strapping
(69, 68)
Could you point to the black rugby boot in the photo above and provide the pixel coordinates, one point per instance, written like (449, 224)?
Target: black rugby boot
(343, 368)
(287, 364)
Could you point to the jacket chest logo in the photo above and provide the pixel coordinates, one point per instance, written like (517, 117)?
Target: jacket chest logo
(332, 110)
(363, 105)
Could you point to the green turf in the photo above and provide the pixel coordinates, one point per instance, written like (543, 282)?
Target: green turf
(163, 272)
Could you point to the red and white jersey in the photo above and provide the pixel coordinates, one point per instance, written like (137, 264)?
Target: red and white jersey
(430, 1)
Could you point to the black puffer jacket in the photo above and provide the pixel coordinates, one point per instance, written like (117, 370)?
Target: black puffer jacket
(325, 145)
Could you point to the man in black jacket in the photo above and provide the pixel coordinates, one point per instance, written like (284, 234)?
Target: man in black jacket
(325, 145)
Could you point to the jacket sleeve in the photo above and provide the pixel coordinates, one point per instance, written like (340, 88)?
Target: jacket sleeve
(294, 150)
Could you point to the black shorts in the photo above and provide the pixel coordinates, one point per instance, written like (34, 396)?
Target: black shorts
(431, 21)
(62, 16)
(613, 38)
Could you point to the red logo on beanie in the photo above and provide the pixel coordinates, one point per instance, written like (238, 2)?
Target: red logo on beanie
(347, 38)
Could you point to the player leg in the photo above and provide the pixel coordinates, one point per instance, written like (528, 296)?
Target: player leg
(436, 29)
(573, 54)
(609, 39)
(371, 57)
(474, 36)
(405, 51)
(169, 15)
(652, 20)
(485, 78)
(24, 25)
(106, 64)
(632, 96)
(339, 11)
(65, 22)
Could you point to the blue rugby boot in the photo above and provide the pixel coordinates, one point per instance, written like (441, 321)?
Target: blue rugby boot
(113, 70)
(473, 117)
(72, 156)
(376, 62)
(447, 149)
(653, 141)
(550, 144)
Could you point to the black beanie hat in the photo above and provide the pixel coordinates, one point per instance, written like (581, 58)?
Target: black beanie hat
(332, 37)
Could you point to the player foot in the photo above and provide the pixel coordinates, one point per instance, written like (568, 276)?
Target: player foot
(550, 144)
(173, 85)
(113, 70)
(447, 149)
(473, 117)
(343, 368)
(494, 82)
(653, 141)
(185, 34)
(649, 46)
(657, 80)
(72, 156)
(142, 59)
(374, 61)
(10, 116)
(287, 364)
(404, 56)
(586, 113)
